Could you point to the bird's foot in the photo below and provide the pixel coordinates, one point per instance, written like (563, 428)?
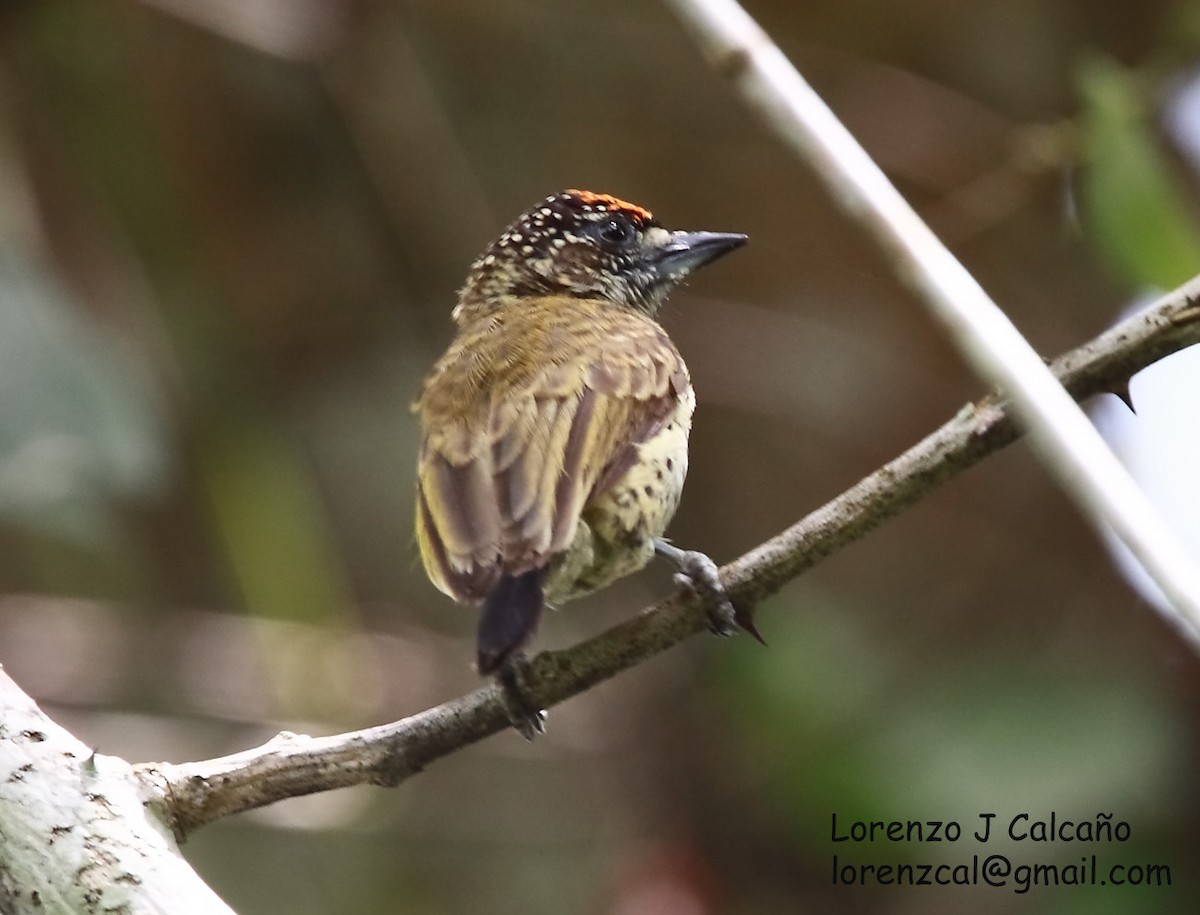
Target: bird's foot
(698, 573)
(526, 717)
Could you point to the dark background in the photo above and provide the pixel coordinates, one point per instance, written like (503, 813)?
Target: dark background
(230, 239)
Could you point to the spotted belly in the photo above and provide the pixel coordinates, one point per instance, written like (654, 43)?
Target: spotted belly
(617, 529)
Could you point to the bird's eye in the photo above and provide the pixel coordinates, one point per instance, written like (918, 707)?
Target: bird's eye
(616, 232)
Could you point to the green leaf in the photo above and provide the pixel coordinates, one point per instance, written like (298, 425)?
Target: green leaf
(1134, 206)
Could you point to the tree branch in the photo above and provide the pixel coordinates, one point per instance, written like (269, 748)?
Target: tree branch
(290, 765)
(84, 832)
(1069, 446)
(75, 832)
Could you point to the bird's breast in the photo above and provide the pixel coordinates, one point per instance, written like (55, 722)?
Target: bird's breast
(646, 496)
(619, 525)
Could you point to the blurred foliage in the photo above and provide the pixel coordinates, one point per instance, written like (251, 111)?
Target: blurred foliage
(1136, 208)
(935, 742)
(230, 239)
(81, 426)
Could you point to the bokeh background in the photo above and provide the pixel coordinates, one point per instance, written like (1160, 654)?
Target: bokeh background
(230, 238)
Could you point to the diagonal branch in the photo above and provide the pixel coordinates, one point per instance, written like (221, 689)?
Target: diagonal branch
(1070, 448)
(291, 765)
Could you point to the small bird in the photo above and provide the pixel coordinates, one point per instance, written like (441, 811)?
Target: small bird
(555, 427)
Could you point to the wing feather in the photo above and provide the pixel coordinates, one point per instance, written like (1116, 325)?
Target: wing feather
(520, 433)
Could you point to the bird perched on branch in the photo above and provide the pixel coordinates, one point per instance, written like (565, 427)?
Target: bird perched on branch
(555, 427)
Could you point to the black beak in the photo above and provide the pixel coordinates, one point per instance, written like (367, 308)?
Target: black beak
(686, 251)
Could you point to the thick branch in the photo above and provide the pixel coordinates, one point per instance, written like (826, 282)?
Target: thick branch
(75, 832)
(291, 765)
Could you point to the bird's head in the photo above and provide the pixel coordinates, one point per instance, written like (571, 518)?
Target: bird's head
(589, 246)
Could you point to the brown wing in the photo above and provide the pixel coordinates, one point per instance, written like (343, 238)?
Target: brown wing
(524, 419)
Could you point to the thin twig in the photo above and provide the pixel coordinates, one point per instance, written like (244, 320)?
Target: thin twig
(288, 766)
(1068, 444)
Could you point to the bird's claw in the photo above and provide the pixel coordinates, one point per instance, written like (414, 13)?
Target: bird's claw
(526, 718)
(698, 574)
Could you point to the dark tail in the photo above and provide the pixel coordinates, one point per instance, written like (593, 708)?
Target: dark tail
(510, 616)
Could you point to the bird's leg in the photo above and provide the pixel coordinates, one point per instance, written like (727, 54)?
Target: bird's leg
(526, 717)
(698, 574)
